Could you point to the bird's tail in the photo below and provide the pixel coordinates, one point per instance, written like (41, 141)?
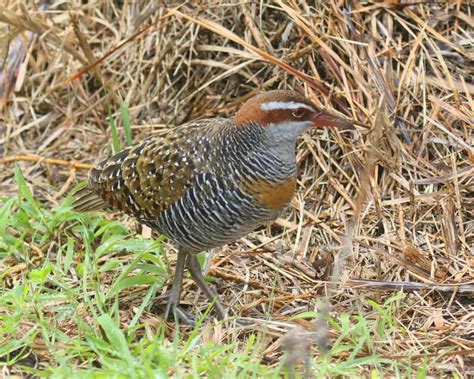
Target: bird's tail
(85, 199)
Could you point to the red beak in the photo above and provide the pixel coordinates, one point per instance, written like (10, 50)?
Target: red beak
(327, 119)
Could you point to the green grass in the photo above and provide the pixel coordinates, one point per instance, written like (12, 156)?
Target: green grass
(77, 291)
(127, 127)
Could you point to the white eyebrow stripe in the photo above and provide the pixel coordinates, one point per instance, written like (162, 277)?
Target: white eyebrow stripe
(284, 105)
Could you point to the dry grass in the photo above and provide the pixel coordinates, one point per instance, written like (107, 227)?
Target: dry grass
(393, 202)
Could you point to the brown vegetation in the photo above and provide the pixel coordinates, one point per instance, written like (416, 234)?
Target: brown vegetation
(391, 202)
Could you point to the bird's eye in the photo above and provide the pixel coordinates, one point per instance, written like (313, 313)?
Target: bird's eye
(298, 113)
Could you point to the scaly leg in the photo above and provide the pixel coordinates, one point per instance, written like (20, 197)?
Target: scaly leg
(195, 269)
(174, 296)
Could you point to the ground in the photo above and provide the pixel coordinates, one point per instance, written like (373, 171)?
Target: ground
(388, 204)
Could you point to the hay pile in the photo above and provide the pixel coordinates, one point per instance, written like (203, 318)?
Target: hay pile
(401, 187)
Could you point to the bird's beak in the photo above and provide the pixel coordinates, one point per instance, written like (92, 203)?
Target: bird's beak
(327, 119)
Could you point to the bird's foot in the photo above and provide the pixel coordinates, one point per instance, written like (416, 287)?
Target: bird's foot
(176, 313)
(173, 310)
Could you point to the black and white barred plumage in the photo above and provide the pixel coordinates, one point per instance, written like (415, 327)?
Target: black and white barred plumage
(195, 183)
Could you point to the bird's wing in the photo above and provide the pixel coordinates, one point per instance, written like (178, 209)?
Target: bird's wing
(146, 178)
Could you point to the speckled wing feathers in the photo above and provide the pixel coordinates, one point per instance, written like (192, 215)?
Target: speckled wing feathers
(146, 178)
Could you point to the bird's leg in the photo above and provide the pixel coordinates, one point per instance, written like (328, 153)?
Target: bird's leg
(174, 296)
(195, 269)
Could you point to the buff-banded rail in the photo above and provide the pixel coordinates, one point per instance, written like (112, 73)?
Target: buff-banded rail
(209, 182)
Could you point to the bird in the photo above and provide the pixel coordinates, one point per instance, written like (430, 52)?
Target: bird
(209, 182)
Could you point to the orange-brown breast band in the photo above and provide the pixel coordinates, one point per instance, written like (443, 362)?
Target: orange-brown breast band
(273, 195)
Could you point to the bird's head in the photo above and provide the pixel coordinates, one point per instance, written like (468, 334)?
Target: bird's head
(285, 115)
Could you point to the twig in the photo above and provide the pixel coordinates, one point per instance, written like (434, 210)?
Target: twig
(463, 288)
(34, 158)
